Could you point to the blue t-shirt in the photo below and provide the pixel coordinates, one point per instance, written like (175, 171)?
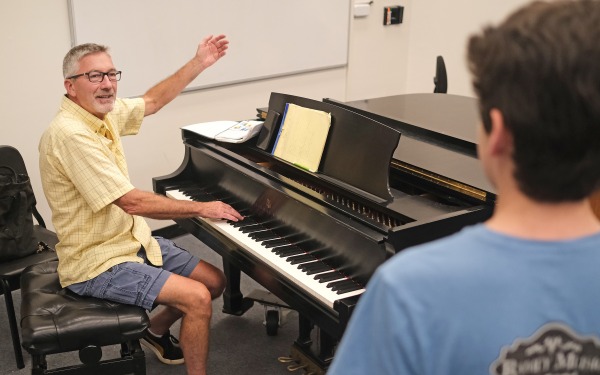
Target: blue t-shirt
(479, 302)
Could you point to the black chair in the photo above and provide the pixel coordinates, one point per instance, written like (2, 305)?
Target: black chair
(440, 80)
(55, 320)
(10, 271)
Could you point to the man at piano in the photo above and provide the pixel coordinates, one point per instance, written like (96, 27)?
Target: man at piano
(520, 293)
(105, 247)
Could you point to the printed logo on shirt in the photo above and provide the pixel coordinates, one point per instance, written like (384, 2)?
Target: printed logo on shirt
(553, 350)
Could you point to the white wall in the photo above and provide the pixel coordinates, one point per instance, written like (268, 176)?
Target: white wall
(34, 37)
(378, 55)
(442, 27)
(383, 60)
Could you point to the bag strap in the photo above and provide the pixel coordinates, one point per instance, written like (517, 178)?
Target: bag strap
(22, 214)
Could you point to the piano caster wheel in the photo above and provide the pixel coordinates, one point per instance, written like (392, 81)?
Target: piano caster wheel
(275, 309)
(272, 322)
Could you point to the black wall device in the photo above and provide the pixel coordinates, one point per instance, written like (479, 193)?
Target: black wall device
(393, 15)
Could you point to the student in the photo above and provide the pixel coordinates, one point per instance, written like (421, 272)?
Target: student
(105, 247)
(520, 293)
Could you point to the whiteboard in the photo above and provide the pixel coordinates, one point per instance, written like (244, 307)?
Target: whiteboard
(150, 39)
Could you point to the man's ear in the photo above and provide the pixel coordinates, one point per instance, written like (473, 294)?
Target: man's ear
(69, 87)
(500, 140)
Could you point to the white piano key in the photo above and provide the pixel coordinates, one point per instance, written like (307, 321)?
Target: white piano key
(297, 277)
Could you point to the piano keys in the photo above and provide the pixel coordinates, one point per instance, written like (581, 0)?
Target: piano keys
(315, 239)
(304, 261)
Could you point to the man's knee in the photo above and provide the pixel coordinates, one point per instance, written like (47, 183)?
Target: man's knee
(198, 301)
(213, 278)
(217, 284)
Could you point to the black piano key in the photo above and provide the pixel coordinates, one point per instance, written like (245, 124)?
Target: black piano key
(329, 276)
(251, 228)
(276, 243)
(248, 220)
(348, 289)
(310, 265)
(297, 259)
(199, 191)
(274, 224)
(284, 231)
(286, 251)
(343, 286)
(243, 212)
(256, 220)
(335, 285)
(304, 244)
(239, 206)
(260, 229)
(193, 190)
(198, 197)
(263, 236)
(314, 267)
(321, 252)
(223, 196)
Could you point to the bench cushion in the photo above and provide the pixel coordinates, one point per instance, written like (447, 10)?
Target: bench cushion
(56, 320)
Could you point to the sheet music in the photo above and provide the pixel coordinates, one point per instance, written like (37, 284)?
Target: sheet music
(210, 129)
(302, 136)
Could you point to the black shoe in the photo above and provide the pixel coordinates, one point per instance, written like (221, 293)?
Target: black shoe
(166, 348)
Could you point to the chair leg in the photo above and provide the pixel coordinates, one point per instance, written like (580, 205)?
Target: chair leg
(12, 322)
(133, 350)
(38, 364)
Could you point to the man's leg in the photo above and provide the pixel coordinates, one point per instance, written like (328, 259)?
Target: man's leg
(211, 277)
(190, 299)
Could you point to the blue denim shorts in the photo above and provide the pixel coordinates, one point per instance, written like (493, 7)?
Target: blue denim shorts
(139, 283)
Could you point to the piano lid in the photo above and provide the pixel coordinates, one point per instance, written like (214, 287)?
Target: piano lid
(439, 133)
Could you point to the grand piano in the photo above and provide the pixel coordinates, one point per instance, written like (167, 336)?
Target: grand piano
(395, 172)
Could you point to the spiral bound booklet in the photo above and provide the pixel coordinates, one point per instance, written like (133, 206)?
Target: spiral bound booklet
(302, 136)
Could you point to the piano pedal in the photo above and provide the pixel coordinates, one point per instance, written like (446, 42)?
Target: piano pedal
(296, 367)
(276, 310)
(302, 361)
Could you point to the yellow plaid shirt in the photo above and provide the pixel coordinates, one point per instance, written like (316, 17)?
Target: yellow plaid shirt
(83, 171)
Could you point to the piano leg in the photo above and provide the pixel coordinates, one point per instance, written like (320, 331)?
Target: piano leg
(305, 327)
(234, 302)
(326, 346)
(302, 351)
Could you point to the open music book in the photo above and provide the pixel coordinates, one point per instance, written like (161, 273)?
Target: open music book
(302, 136)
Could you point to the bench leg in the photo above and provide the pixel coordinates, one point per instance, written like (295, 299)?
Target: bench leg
(38, 364)
(134, 350)
(12, 322)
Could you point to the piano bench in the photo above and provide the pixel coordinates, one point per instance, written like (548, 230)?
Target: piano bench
(55, 320)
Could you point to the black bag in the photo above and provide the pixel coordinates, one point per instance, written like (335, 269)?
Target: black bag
(16, 219)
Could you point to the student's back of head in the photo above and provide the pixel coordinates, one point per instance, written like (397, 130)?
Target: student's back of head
(540, 69)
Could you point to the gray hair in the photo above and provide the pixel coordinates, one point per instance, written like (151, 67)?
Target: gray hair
(72, 58)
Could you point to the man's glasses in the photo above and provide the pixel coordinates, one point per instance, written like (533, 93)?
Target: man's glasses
(97, 77)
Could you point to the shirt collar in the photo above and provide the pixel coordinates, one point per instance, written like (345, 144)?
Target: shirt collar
(75, 109)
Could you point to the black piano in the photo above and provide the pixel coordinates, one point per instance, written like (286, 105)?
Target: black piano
(395, 172)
